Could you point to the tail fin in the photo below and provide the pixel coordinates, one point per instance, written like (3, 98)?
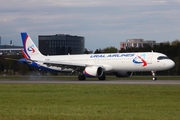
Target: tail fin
(24, 54)
(30, 49)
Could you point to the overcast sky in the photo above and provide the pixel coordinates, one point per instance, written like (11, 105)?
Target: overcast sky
(103, 23)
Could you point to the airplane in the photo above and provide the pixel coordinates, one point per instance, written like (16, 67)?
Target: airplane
(96, 65)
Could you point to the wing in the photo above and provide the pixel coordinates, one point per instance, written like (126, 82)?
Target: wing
(77, 66)
(64, 64)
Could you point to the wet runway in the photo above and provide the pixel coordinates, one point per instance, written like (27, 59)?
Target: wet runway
(163, 82)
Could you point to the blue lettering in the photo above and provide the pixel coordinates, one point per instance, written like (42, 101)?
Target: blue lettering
(97, 56)
(115, 55)
(111, 55)
(120, 55)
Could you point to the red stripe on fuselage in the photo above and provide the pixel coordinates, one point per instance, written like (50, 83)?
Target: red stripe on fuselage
(144, 62)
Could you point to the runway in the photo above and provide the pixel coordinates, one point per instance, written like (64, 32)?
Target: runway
(163, 82)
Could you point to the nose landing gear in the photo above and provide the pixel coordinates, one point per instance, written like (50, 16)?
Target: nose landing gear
(154, 75)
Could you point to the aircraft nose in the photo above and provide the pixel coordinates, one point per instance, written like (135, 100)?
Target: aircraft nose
(171, 64)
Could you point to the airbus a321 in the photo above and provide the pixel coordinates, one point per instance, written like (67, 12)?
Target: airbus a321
(96, 65)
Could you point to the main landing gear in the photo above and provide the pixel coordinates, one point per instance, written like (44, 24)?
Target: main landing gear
(103, 77)
(81, 77)
(154, 75)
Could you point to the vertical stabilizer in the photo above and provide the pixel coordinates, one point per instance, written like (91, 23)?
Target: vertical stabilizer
(30, 49)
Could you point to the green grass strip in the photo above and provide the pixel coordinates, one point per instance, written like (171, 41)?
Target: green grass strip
(89, 102)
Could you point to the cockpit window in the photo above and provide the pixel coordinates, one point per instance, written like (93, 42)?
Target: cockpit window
(162, 57)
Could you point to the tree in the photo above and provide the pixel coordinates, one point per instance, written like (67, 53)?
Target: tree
(110, 50)
(175, 42)
(97, 51)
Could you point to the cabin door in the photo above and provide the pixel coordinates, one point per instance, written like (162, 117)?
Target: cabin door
(149, 58)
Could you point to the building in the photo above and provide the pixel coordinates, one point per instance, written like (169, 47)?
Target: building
(61, 44)
(10, 49)
(136, 43)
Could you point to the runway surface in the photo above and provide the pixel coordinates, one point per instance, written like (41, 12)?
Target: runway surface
(163, 82)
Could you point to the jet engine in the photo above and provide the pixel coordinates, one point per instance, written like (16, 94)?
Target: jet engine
(123, 74)
(93, 71)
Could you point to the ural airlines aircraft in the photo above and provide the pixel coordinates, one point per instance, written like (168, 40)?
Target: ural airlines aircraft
(96, 65)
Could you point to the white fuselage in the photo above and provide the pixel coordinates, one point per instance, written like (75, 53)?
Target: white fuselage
(142, 61)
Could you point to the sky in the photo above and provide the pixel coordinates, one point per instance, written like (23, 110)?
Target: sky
(103, 23)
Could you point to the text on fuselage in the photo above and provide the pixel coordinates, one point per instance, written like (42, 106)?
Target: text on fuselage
(110, 55)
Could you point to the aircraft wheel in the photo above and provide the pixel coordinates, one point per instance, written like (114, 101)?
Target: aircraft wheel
(154, 78)
(81, 77)
(103, 77)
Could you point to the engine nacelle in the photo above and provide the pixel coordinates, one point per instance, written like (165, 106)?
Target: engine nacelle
(93, 71)
(123, 74)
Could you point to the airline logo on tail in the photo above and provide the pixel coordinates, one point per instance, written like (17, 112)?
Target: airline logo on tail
(31, 49)
(139, 60)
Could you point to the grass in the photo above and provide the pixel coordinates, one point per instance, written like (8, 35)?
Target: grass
(89, 102)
